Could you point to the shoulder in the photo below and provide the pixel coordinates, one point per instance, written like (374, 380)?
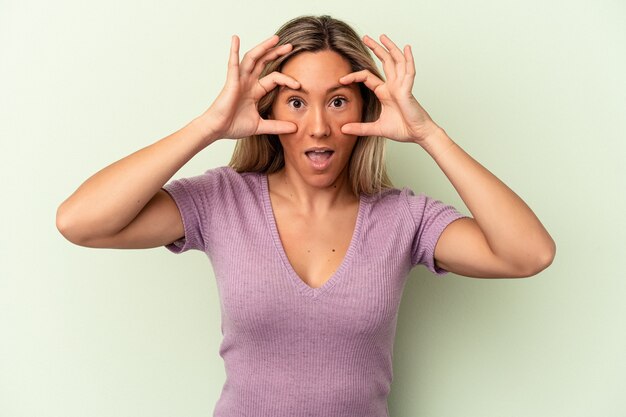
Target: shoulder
(393, 197)
(225, 180)
(235, 190)
(227, 175)
(406, 205)
(223, 183)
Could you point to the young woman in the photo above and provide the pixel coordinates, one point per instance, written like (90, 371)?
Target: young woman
(309, 241)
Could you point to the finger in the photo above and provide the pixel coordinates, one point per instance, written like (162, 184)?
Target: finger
(270, 55)
(360, 129)
(364, 76)
(395, 52)
(275, 127)
(382, 54)
(410, 61)
(250, 58)
(270, 81)
(397, 55)
(410, 65)
(233, 60)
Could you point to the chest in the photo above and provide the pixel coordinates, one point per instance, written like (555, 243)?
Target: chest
(273, 271)
(316, 247)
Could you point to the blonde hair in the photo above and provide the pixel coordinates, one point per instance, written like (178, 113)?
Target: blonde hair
(264, 153)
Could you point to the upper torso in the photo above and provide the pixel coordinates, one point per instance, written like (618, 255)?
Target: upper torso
(290, 348)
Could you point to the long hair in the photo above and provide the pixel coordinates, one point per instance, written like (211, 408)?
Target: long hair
(264, 153)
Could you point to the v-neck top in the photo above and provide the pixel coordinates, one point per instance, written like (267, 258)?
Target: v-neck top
(290, 349)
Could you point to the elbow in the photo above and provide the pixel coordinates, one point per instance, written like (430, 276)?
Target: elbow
(62, 224)
(549, 255)
(66, 227)
(79, 229)
(540, 260)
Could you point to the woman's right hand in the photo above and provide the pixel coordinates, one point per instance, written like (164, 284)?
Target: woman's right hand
(234, 112)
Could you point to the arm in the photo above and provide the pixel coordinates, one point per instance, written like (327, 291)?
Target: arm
(504, 238)
(100, 212)
(123, 206)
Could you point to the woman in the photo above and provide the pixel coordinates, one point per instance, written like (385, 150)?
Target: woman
(310, 243)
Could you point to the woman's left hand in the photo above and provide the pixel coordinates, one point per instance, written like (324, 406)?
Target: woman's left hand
(402, 118)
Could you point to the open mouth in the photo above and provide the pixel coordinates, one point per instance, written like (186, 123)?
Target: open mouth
(319, 155)
(320, 158)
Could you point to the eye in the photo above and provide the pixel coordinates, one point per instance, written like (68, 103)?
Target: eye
(338, 102)
(295, 102)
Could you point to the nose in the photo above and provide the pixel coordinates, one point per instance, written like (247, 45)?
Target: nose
(318, 125)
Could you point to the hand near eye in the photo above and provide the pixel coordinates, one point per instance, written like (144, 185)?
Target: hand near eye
(402, 118)
(234, 112)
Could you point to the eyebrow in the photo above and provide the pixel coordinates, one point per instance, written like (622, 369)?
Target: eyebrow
(330, 90)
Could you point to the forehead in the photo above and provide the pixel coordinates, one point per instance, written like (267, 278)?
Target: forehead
(317, 70)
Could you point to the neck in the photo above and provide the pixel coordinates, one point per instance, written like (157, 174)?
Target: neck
(309, 198)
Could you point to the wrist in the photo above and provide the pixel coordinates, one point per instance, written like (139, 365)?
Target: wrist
(207, 133)
(436, 142)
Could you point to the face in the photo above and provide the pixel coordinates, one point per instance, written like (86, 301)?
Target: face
(318, 151)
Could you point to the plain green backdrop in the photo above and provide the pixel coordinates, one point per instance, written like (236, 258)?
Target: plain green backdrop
(534, 90)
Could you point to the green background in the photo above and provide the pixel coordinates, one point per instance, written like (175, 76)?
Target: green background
(534, 90)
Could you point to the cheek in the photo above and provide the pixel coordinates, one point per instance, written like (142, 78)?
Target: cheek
(353, 115)
(286, 116)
